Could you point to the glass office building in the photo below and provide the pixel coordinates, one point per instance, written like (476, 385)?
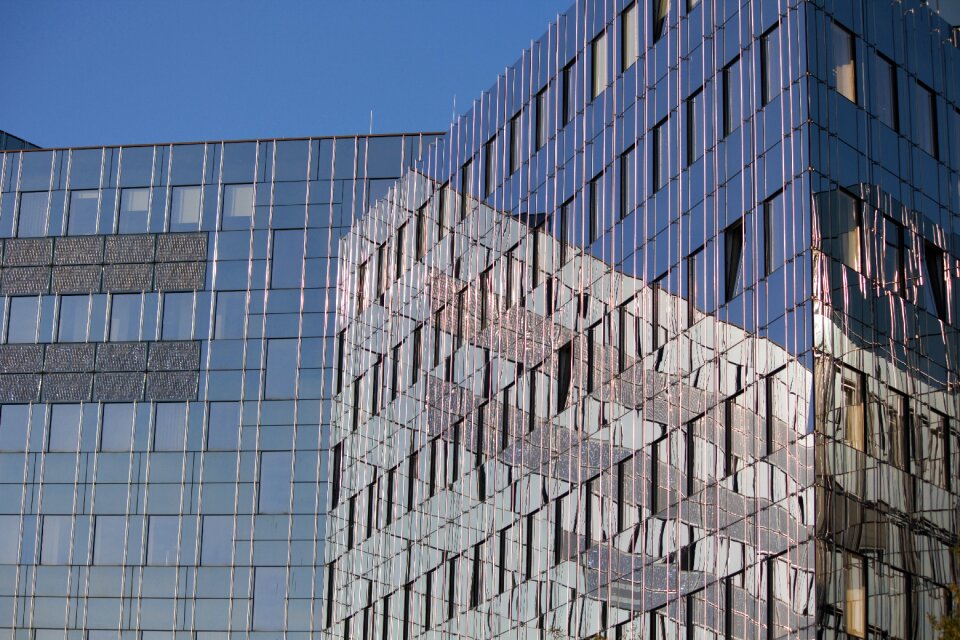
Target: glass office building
(660, 340)
(167, 351)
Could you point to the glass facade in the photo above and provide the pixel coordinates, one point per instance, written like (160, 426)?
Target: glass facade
(685, 366)
(165, 374)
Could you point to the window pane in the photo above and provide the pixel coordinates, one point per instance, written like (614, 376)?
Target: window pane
(134, 204)
(177, 316)
(14, 423)
(268, 597)
(769, 66)
(661, 9)
(74, 317)
(109, 536)
(630, 41)
(281, 368)
(216, 546)
(162, 540)
(231, 309)
(64, 427)
(237, 206)
(10, 525)
(660, 154)
(732, 96)
(925, 120)
(117, 431)
(844, 63)
(185, 208)
(55, 544)
(287, 265)
(24, 317)
(223, 429)
(599, 65)
(32, 220)
(170, 426)
(695, 123)
(628, 177)
(83, 212)
(274, 489)
(125, 317)
(774, 236)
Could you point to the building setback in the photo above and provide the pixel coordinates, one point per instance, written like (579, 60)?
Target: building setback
(659, 341)
(165, 374)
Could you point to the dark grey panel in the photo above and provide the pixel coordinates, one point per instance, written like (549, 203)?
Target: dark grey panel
(181, 276)
(19, 387)
(76, 279)
(25, 280)
(69, 357)
(118, 386)
(20, 358)
(122, 356)
(127, 248)
(21, 252)
(78, 250)
(174, 356)
(67, 387)
(181, 247)
(172, 385)
(128, 277)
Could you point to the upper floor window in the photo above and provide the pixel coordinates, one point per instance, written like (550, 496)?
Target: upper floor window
(628, 169)
(600, 71)
(935, 266)
(844, 72)
(32, 218)
(125, 312)
(516, 150)
(769, 65)
(629, 37)
(661, 9)
(83, 212)
(542, 125)
(925, 120)
(733, 258)
(237, 206)
(695, 122)
(594, 195)
(886, 93)
(774, 230)
(466, 187)
(23, 319)
(490, 166)
(134, 210)
(185, 208)
(840, 223)
(660, 159)
(569, 92)
(74, 319)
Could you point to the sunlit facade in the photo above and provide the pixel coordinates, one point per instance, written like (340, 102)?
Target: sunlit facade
(659, 340)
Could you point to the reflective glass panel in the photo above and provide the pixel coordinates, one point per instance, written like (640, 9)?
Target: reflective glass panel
(231, 310)
(223, 428)
(134, 208)
(74, 318)
(55, 543)
(109, 538)
(24, 319)
(14, 427)
(125, 312)
(170, 426)
(117, 431)
(177, 316)
(32, 220)
(237, 206)
(185, 208)
(216, 547)
(64, 427)
(163, 540)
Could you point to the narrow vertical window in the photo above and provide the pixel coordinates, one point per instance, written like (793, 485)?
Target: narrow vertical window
(335, 474)
(628, 167)
(532, 401)
(376, 380)
(853, 393)
(475, 577)
(391, 479)
(421, 238)
(594, 195)
(566, 212)
(569, 92)
(694, 136)
(394, 372)
(398, 258)
(591, 356)
(730, 97)
(466, 187)
(733, 259)
(693, 286)
(428, 599)
(934, 262)
(558, 530)
(490, 167)
(516, 140)
(840, 224)
(416, 345)
(769, 66)
(564, 374)
(629, 39)
(893, 262)
(361, 283)
(886, 92)
(844, 72)
(413, 470)
(351, 521)
(773, 237)
(661, 9)
(502, 562)
(600, 72)
(451, 587)
(383, 269)
(341, 356)
(528, 548)
(659, 155)
(855, 599)
(542, 125)
(925, 120)
(622, 494)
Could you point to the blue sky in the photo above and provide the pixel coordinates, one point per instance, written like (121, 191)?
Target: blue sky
(112, 72)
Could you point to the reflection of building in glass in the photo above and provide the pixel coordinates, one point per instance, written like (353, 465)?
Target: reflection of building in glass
(167, 332)
(658, 341)
(10, 142)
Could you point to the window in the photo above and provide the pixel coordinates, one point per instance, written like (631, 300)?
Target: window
(275, 480)
(163, 539)
(840, 224)
(475, 576)
(14, 427)
(185, 208)
(542, 125)
(24, 319)
(594, 195)
(230, 314)
(886, 92)
(237, 206)
(421, 240)
(82, 214)
(563, 235)
(399, 245)
(695, 122)
(55, 543)
(844, 73)
(216, 543)
(32, 219)
(516, 141)
(934, 263)
(695, 285)
(109, 537)
(177, 316)
(659, 153)
(170, 426)
(569, 92)
(223, 426)
(416, 357)
(628, 171)
(774, 229)
(853, 389)
(286, 269)
(64, 428)
(600, 73)
(629, 37)
(116, 433)
(490, 166)
(466, 187)
(125, 313)
(361, 286)
(281, 368)
(925, 120)
(383, 269)
(269, 592)
(74, 318)
(769, 65)
(893, 260)
(731, 96)
(733, 259)
(134, 210)
(661, 9)
(855, 599)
